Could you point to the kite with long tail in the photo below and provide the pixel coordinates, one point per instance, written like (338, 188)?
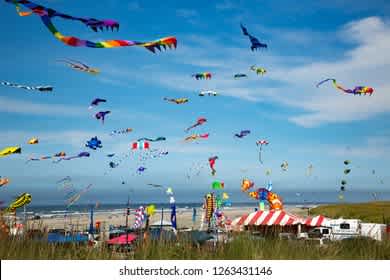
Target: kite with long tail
(200, 121)
(47, 14)
(177, 100)
(77, 65)
(201, 76)
(261, 143)
(242, 133)
(58, 155)
(196, 136)
(212, 161)
(255, 43)
(121, 131)
(152, 140)
(80, 155)
(38, 88)
(359, 90)
(96, 102)
(101, 115)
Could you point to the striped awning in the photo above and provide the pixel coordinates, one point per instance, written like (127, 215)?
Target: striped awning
(315, 221)
(266, 218)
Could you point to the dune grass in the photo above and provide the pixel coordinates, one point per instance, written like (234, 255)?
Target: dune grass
(370, 212)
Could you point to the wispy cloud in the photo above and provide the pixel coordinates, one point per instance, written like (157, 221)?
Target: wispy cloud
(186, 13)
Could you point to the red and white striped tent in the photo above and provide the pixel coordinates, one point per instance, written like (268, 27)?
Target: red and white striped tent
(316, 221)
(266, 218)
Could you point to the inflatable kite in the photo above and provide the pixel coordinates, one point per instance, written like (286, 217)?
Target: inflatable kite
(199, 122)
(212, 161)
(196, 137)
(113, 164)
(3, 181)
(101, 115)
(47, 15)
(261, 143)
(141, 169)
(258, 70)
(33, 141)
(246, 185)
(242, 133)
(284, 166)
(152, 140)
(38, 88)
(77, 65)
(123, 131)
(155, 185)
(96, 102)
(208, 92)
(201, 76)
(177, 100)
(10, 150)
(20, 201)
(94, 143)
(217, 185)
(255, 43)
(240, 75)
(359, 90)
(60, 154)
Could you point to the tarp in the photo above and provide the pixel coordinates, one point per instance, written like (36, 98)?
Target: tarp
(121, 240)
(267, 218)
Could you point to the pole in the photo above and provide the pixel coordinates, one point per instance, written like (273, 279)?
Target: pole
(127, 221)
(162, 219)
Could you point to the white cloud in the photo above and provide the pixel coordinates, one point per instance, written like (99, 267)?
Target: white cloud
(186, 13)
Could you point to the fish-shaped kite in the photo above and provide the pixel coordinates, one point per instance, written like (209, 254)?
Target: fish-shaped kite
(177, 100)
(199, 122)
(10, 150)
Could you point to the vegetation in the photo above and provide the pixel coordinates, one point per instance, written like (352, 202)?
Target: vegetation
(370, 212)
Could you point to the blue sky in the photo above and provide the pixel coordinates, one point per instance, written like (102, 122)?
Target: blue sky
(308, 41)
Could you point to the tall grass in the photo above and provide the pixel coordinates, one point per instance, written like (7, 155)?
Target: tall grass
(242, 247)
(373, 212)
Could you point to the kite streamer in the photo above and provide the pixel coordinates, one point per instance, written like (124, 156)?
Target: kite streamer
(160, 138)
(196, 137)
(77, 65)
(60, 154)
(47, 14)
(38, 88)
(359, 90)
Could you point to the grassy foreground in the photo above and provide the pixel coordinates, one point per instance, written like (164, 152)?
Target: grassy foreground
(370, 212)
(242, 247)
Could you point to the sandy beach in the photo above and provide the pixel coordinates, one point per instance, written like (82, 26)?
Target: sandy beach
(81, 221)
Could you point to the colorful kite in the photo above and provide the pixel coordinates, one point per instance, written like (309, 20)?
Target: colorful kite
(60, 154)
(217, 185)
(208, 92)
(212, 161)
(10, 150)
(33, 141)
(177, 100)
(47, 15)
(255, 43)
(240, 75)
(96, 102)
(242, 133)
(77, 65)
(199, 122)
(3, 181)
(201, 76)
(94, 143)
(140, 145)
(194, 137)
(259, 70)
(359, 90)
(122, 131)
(261, 143)
(101, 115)
(246, 185)
(160, 138)
(20, 201)
(80, 155)
(38, 88)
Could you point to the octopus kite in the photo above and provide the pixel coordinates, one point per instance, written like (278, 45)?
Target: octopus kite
(122, 131)
(152, 140)
(10, 150)
(60, 154)
(177, 100)
(242, 133)
(201, 76)
(94, 143)
(38, 88)
(196, 136)
(77, 65)
(255, 43)
(33, 141)
(101, 115)
(240, 75)
(96, 102)
(359, 90)
(258, 70)
(212, 161)
(208, 92)
(199, 122)
(261, 143)
(47, 14)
